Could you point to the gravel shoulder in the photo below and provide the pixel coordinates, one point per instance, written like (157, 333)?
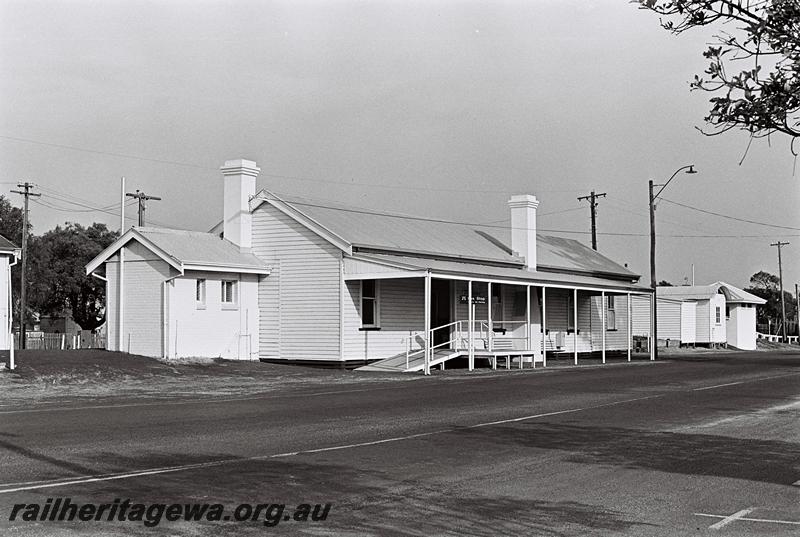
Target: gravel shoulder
(44, 377)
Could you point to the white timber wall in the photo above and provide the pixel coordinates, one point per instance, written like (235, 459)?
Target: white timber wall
(112, 303)
(5, 270)
(559, 318)
(301, 297)
(143, 312)
(213, 329)
(688, 323)
(402, 318)
(617, 335)
(641, 313)
(669, 320)
(703, 325)
(742, 326)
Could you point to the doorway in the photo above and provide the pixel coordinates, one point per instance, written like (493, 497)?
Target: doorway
(440, 310)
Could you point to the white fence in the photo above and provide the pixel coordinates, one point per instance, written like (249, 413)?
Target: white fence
(58, 341)
(776, 338)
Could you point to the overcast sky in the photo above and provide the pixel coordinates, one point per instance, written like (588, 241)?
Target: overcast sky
(440, 109)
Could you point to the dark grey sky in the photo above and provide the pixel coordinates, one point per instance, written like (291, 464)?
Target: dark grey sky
(437, 109)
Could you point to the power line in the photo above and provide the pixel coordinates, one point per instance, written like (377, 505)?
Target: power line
(275, 175)
(52, 205)
(729, 217)
(106, 153)
(81, 202)
(359, 210)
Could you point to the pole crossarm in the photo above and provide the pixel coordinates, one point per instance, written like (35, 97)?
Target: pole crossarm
(592, 199)
(141, 197)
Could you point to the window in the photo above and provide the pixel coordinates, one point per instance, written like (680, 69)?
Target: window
(229, 293)
(370, 307)
(611, 313)
(200, 292)
(719, 314)
(727, 312)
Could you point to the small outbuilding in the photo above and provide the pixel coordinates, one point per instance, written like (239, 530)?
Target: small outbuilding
(715, 314)
(173, 293)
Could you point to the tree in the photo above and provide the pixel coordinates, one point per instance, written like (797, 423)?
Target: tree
(664, 283)
(765, 280)
(763, 97)
(11, 220)
(767, 286)
(58, 279)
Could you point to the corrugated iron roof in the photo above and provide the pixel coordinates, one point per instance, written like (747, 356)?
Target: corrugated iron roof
(459, 268)
(7, 245)
(199, 248)
(410, 234)
(704, 292)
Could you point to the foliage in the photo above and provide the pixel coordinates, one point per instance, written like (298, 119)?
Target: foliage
(58, 279)
(664, 283)
(767, 286)
(11, 221)
(765, 280)
(754, 67)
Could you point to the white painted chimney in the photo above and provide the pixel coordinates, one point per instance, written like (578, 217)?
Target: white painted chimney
(239, 186)
(523, 228)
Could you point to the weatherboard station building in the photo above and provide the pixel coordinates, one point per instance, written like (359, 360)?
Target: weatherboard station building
(288, 280)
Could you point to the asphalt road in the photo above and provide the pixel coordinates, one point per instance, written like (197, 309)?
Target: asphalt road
(691, 447)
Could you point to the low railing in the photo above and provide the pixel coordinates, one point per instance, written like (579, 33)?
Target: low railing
(491, 329)
(776, 338)
(460, 334)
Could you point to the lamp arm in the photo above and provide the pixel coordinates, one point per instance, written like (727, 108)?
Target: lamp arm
(670, 179)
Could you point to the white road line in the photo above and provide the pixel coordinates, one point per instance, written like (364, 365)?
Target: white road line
(748, 519)
(360, 444)
(717, 386)
(795, 522)
(209, 464)
(728, 519)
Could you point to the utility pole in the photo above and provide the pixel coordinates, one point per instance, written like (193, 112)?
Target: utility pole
(653, 284)
(26, 193)
(653, 197)
(592, 198)
(142, 198)
(779, 244)
(797, 310)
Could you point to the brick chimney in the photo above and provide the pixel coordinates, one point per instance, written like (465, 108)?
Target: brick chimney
(523, 228)
(239, 185)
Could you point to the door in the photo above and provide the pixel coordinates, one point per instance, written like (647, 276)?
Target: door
(440, 310)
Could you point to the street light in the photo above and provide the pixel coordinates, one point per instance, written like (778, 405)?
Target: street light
(689, 169)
